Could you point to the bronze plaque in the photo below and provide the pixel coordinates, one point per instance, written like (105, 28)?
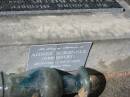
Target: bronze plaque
(65, 56)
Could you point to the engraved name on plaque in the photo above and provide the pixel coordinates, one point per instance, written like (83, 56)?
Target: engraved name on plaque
(65, 56)
(56, 6)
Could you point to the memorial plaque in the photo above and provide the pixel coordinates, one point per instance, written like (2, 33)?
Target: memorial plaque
(65, 56)
(56, 6)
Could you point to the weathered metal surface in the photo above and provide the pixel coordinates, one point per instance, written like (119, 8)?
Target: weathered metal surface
(56, 6)
(44, 82)
(64, 56)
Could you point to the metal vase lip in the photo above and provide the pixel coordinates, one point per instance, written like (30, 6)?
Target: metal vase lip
(97, 82)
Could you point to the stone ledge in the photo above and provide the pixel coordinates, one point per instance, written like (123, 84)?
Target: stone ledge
(44, 29)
